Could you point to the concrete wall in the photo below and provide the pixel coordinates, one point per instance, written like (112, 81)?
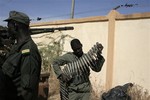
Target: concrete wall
(132, 52)
(126, 42)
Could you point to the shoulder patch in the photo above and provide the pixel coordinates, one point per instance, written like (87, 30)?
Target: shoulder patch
(25, 51)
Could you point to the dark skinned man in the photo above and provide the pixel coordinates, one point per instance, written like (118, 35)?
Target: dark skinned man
(23, 64)
(79, 86)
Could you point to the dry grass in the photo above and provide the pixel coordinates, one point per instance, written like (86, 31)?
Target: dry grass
(95, 96)
(138, 93)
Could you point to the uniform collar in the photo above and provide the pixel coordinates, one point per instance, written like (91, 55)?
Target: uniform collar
(19, 45)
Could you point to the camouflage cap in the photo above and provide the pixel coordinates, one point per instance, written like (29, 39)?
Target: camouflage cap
(19, 17)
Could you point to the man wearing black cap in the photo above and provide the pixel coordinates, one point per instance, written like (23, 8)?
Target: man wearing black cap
(23, 64)
(79, 86)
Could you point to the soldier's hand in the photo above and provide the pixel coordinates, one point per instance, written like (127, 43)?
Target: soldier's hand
(99, 56)
(63, 77)
(99, 47)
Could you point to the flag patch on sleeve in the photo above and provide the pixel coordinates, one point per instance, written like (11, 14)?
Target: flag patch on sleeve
(25, 51)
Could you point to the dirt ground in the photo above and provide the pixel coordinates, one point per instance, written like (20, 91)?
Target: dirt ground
(54, 97)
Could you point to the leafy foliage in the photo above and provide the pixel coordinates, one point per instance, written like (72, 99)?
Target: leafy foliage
(51, 51)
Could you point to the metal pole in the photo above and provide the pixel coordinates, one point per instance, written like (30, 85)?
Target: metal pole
(72, 9)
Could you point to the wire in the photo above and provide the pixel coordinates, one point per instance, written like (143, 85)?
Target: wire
(68, 15)
(82, 12)
(95, 10)
(126, 5)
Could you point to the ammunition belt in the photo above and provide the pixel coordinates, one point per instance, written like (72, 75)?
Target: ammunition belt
(79, 67)
(82, 64)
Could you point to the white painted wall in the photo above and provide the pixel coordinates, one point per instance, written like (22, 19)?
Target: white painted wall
(131, 49)
(89, 34)
(132, 52)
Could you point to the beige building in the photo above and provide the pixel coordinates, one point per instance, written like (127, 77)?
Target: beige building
(126, 41)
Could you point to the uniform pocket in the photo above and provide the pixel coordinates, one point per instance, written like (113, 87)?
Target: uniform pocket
(8, 69)
(11, 66)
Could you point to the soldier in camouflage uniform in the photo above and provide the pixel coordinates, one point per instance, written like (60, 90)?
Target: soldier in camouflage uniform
(79, 87)
(23, 64)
